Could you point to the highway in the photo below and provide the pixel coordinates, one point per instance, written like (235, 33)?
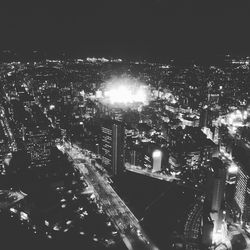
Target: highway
(124, 220)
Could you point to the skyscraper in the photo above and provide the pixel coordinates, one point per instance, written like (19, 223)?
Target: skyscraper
(218, 195)
(112, 145)
(205, 117)
(241, 189)
(246, 215)
(218, 190)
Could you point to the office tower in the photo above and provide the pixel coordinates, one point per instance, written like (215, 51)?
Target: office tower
(205, 117)
(246, 214)
(218, 193)
(208, 116)
(137, 156)
(134, 152)
(241, 189)
(213, 226)
(112, 149)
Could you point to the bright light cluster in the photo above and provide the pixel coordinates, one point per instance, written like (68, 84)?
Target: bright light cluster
(157, 154)
(217, 237)
(237, 117)
(233, 169)
(125, 91)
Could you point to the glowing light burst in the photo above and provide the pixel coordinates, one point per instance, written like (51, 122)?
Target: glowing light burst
(217, 237)
(125, 91)
(233, 169)
(157, 154)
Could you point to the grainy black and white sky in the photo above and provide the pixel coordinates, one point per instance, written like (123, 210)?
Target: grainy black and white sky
(150, 28)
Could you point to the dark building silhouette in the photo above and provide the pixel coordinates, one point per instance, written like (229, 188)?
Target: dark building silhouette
(207, 230)
(112, 145)
(206, 118)
(214, 203)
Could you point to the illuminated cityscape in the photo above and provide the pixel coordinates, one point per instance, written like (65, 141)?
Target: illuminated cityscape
(125, 126)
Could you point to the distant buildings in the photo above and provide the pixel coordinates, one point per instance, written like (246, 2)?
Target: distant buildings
(7, 142)
(242, 184)
(4, 150)
(38, 146)
(246, 215)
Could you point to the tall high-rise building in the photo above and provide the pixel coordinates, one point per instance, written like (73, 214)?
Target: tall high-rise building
(218, 193)
(205, 117)
(136, 155)
(213, 226)
(112, 145)
(241, 189)
(246, 214)
(218, 189)
(208, 116)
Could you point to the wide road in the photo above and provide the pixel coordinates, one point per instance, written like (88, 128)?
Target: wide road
(124, 220)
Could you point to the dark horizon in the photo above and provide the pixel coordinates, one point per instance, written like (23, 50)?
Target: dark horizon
(185, 59)
(150, 29)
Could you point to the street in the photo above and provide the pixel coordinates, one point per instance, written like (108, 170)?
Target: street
(124, 220)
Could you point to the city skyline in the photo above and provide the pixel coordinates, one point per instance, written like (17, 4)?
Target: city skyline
(125, 125)
(75, 131)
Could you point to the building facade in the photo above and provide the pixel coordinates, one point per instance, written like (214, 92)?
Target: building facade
(112, 146)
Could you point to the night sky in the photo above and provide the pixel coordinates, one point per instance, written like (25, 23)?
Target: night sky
(149, 28)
